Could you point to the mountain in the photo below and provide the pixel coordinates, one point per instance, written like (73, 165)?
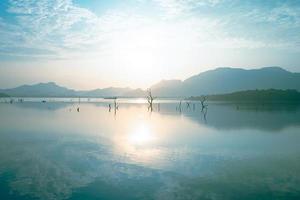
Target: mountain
(227, 80)
(135, 93)
(51, 89)
(40, 90)
(218, 81)
(105, 92)
(167, 88)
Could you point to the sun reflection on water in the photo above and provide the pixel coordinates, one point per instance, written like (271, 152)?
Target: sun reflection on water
(138, 144)
(141, 135)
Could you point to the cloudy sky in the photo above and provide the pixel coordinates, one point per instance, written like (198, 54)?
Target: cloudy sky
(87, 44)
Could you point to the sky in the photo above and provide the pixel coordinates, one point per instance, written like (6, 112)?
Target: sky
(87, 44)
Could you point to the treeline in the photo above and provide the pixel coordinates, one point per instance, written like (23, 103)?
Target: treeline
(270, 95)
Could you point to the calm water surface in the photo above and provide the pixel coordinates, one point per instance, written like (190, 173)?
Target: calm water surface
(51, 151)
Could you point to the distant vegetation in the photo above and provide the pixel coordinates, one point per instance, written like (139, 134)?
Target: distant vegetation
(3, 95)
(270, 95)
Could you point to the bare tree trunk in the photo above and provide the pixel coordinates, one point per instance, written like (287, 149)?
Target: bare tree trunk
(180, 105)
(187, 105)
(115, 104)
(150, 100)
(202, 101)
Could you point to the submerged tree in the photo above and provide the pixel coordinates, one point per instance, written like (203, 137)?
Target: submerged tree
(202, 101)
(109, 107)
(204, 112)
(179, 107)
(188, 105)
(150, 100)
(116, 106)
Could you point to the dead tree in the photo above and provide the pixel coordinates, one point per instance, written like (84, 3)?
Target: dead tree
(179, 107)
(202, 101)
(204, 114)
(150, 100)
(116, 106)
(187, 105)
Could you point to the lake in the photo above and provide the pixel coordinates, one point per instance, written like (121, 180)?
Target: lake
(229, 151)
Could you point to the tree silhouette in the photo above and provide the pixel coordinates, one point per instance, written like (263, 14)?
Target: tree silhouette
(150, 100)
(187, 105)
(202, 101)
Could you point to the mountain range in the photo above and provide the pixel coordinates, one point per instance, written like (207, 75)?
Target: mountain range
(217, 81)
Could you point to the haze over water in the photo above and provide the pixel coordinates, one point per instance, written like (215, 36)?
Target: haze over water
(242, 151)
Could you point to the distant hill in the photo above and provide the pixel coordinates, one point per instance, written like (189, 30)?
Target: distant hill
(51, 89)
(105, 92)
(135, 93)
(256, 96)
(168, 88)
(3, 95)
(218, 81)
(40, 90)
(226, 80)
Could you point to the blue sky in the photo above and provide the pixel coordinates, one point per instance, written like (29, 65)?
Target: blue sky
(89, 44)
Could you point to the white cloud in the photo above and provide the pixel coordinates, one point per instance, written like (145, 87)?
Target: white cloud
(176, 8)
(66, 30)
(62, 27)
(45, 24)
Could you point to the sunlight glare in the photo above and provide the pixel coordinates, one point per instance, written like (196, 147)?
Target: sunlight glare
(141, 135)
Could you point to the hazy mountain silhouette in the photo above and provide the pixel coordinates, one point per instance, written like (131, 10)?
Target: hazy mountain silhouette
(168, 88)
(105, 92)
(39, 90)
(135, 93)
(226, 80)
(218, 81)
(53, 90)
